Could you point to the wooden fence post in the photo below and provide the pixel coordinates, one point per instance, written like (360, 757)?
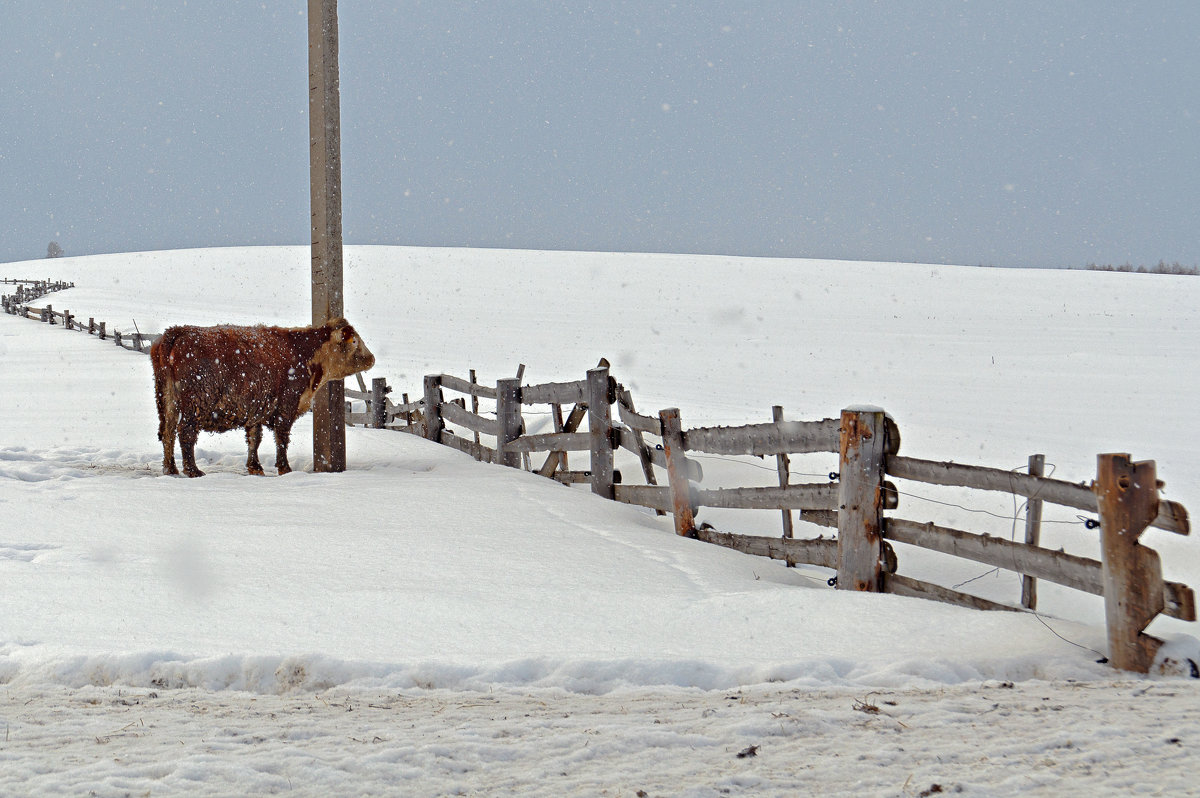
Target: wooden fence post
(1133, 586)
(475, 410)
(103, 336)
(783, 466)
(508, 420)
(681, 491)
(1033, 531)
(861, 500)
(433, 407)
(379, 402)
(600, 398)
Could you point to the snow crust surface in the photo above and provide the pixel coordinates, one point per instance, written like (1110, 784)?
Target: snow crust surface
(456, 596)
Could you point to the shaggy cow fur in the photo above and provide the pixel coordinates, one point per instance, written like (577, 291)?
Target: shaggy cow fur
(223, 378)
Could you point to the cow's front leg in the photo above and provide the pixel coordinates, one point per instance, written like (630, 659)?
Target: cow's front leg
(283, 434)
(188, 433)
(253, 439)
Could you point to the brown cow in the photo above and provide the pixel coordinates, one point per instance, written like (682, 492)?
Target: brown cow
(224, 378)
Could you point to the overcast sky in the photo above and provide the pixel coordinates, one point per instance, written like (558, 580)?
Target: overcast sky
(1010, 133)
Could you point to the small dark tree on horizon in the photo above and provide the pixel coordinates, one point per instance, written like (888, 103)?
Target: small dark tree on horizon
(54, 250)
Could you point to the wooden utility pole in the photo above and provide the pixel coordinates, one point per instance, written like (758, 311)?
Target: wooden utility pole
(325, 177)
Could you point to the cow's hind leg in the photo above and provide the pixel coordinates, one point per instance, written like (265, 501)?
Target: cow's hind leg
(283, 434)
(253, 439)
(189, 431)
(168, 423)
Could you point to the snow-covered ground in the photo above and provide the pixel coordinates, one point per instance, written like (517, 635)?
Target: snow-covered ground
(446, 600)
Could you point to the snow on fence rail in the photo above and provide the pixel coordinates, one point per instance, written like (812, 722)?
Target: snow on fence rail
(1124, 494)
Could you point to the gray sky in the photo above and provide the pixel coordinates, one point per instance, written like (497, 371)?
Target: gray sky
(1010, 133)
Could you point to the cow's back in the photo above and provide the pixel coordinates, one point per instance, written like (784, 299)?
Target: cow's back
(228, 377)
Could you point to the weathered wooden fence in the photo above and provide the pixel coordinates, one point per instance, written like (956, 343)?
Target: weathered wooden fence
(856, 502)
(490, 423)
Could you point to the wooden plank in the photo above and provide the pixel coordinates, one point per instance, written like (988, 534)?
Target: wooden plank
(453, 414)
(1172, 516)
(636, 421)
(557, 459)
(763, 439)
(551, 442)
(463, 386)
(656, 497)
(821, 496)
(819, 551)
(629, 442)
(914, 588)
(478, 451)
(1058, 567)
(827, 518)
(1055, 491)
(1179, 601)
(573, 477)
(554, 393)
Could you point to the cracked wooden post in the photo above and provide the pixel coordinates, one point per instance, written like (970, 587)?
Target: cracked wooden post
(379, 402)
(861, 500)
(600, 396)
(1133, 586)
(677, 472)
(433, 407)
(508, 420)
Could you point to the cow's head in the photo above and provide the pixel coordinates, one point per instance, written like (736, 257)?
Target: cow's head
(345, 353)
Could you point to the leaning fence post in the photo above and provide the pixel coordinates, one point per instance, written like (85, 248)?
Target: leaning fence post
(1033, 531)
(600, 398)
(379, 402)
(508, 420)
(861, 499)
(783, 466)
(677, 472)
(1127, 493)
(433, 407)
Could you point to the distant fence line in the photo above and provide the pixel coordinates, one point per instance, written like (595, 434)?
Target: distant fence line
(17, 304)
(856, 501)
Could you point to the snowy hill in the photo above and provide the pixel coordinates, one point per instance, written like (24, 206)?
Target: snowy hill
(420, 568)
